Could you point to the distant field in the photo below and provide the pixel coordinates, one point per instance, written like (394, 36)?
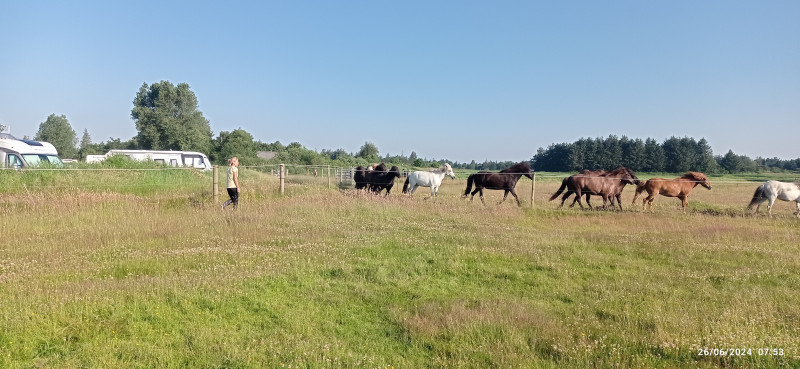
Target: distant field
(142, 269)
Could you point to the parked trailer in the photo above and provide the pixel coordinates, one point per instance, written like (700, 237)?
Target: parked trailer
(190, 159)
(16, 153)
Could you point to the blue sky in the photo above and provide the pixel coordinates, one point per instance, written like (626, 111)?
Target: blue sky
(464, 80)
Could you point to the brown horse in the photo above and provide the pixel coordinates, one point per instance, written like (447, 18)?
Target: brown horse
(679, 187)
(568, 183)
(608, 185)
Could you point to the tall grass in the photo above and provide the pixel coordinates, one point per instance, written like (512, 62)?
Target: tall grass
(328, 278)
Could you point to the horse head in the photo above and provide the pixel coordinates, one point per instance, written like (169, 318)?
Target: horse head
(523, 168)
(700, 178)
(395, 171)
(448, 170)
(629, 176)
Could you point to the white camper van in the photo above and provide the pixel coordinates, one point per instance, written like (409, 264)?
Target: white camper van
(190, 159)
(15, 153)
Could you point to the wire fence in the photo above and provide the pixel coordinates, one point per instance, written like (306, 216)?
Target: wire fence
(189, 182)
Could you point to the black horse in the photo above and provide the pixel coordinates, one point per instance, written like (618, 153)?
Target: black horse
(505, 180)
(360, 177)
(380, 179)
(376, 180)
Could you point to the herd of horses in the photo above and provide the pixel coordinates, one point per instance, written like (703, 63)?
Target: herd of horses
(606, 184)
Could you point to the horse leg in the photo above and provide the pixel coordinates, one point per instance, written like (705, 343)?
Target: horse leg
(797, 205)
(589, 204)
(684, 202)
(648, 202)
(477, 189)
(516, 197)
(575, 200)
(505, 194)
(619, 201)
(481, 195)
(769, 206)
(563, 199)
(433, 192)
(606, 201)
(578, 196)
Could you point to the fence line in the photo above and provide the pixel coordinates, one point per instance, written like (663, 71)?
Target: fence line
(340, 173)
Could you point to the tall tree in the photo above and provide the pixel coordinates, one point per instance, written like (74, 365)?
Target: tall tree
(680, 154)
(237, 143)
(654, 156)
(731, 162)
(57, 131)
(704, 157)
(368, 151)
(85, 145)
(633, 154)
(167, 118)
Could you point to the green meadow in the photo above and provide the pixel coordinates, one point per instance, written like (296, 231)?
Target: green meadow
(142, 269)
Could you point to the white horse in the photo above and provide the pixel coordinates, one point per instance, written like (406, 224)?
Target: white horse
(432, 179)
(772, 190)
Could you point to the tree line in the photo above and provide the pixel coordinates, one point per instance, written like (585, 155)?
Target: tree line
(167, 118)
(675, 155)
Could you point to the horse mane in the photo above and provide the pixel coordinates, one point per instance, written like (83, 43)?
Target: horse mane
(522, 167)
(621, 169)
(696, 176)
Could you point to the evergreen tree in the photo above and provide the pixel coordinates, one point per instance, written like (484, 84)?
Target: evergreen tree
(654, 159)
(704, 157)
(680, 154)
(610, 153)
(633, 153)
(85, 146)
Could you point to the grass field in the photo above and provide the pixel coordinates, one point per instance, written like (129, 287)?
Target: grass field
(143, 270)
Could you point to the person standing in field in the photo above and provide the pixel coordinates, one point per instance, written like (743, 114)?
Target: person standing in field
(233, 183)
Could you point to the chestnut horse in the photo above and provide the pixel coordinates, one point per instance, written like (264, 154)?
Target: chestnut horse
(679, 187)
(505, 180)
(608, 185)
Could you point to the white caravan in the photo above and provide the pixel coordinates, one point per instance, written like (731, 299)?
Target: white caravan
(190, 159)
(15, 153)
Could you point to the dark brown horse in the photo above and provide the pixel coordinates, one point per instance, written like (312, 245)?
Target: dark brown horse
(504, 180)
(679, 187)
(608, 185)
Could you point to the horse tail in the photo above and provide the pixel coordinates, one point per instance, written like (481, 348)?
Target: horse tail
(560, 189)
(758, 196)
(470, 179)
(639, 189)
(405, 186)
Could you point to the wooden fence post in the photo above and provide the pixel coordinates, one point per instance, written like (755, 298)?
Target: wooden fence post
(281, 174)
(533, 188)
(215, 184)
